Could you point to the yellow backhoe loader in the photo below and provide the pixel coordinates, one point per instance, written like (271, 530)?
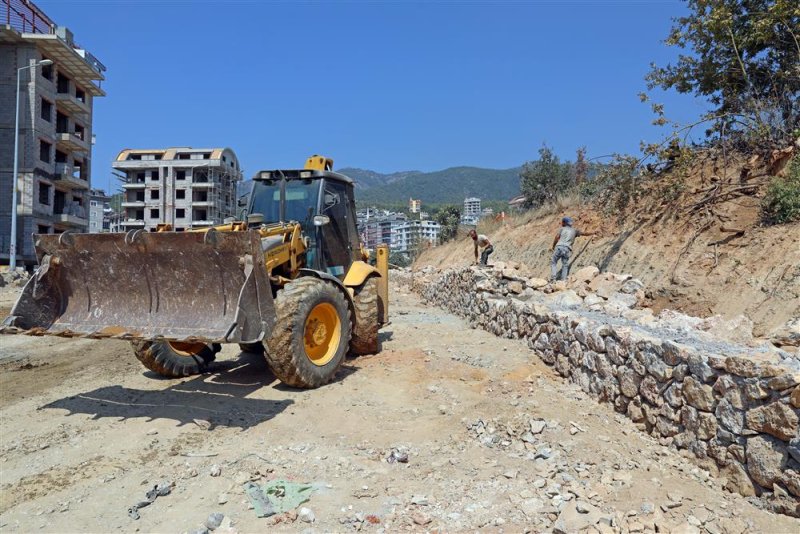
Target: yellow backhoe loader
(288, 278)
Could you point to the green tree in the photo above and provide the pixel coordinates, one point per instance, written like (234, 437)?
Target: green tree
(781, 204)
(448, 217)
(743, 56)
(581, 167)
(543, 180)
(400, 259)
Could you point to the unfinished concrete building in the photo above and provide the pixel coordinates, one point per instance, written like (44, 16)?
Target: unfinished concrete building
(185, 187)
(55, 127)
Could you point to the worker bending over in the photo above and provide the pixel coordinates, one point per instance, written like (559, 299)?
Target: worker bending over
(482, 241)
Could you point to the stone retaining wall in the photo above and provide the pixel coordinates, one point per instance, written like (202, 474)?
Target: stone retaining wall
(733, 404)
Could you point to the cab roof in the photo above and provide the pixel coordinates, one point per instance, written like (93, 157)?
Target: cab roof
(301, 174)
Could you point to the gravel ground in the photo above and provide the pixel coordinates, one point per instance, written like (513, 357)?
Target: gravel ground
(493, 439)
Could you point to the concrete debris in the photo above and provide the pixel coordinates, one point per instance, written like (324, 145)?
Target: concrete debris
(214, 520)
(306, 515)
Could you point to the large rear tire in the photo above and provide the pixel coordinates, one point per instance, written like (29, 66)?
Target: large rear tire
(365, 331)
(173, 359)
(311, 334)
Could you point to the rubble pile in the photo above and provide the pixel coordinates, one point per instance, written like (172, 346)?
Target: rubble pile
(729, 400)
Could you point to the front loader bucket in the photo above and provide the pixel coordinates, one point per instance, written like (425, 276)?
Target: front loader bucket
(178, 286)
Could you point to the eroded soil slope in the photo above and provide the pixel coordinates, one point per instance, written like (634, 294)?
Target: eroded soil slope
(706, 260)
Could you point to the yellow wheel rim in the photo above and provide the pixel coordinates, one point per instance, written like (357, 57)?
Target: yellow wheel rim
(322, 333)
(186, 349)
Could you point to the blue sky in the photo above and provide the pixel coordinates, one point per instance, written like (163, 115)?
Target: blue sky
(381, 85)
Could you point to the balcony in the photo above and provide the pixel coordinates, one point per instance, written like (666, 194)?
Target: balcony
(69, 177)
(133, 185)
(70, 103)
(132, 223)
(202, 203)
(202, 185)
(203, 223)
(69, 142)
(132, 204)
(70, 220)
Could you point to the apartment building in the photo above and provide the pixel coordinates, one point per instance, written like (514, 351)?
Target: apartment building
(55, 127)
(413, 233)
(99, 211)
(182, 186)
(414, 205)
(472, 207)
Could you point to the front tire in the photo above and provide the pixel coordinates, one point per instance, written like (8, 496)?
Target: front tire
(365, 331)
(175, 359)
(311, 334)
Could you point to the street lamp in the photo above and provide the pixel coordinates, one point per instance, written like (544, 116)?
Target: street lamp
(12, 263)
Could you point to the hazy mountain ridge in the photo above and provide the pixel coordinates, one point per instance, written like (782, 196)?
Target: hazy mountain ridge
(450, 185)
(366, 178)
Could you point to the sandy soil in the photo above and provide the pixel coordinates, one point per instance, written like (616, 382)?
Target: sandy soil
(86, 431)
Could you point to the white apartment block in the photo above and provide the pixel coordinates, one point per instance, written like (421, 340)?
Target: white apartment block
(182, 186)
(472, 207)
(410, 234)
(99, 211)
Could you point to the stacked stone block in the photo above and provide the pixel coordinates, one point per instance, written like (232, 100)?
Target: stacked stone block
(737, 407)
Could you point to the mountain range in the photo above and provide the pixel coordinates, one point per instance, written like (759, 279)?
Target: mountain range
(446, 186)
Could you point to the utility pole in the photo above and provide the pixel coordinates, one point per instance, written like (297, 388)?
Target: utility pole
(12, 253)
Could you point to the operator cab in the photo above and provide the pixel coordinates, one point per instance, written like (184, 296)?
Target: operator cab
(322, 202)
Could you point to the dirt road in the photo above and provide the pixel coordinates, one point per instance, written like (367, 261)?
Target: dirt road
(494, 439)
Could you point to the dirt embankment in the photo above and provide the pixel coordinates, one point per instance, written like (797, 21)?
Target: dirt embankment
(704, 253)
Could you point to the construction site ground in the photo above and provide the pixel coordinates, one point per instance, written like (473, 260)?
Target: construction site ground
(87, 431)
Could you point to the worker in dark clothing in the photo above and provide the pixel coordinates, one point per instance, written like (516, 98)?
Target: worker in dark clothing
(482, 241)
(562, 248)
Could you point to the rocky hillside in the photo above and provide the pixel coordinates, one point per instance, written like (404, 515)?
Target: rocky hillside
(703, 253)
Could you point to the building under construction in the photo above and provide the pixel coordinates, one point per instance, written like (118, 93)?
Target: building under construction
(185, 187)
(53, 81)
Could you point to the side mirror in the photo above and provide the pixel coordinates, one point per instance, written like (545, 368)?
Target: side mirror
(321, 220)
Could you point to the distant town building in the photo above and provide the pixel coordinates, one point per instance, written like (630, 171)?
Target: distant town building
(397, 230)
(414, 206)
(185, 187)
(414, 233)
(381, 228)
(472, 207)
(55, 127)
(99, 219)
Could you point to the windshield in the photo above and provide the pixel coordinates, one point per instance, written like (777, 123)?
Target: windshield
(301, 201)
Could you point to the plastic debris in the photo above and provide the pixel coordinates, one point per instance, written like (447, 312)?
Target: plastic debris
(277, 496)
(159, 490)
